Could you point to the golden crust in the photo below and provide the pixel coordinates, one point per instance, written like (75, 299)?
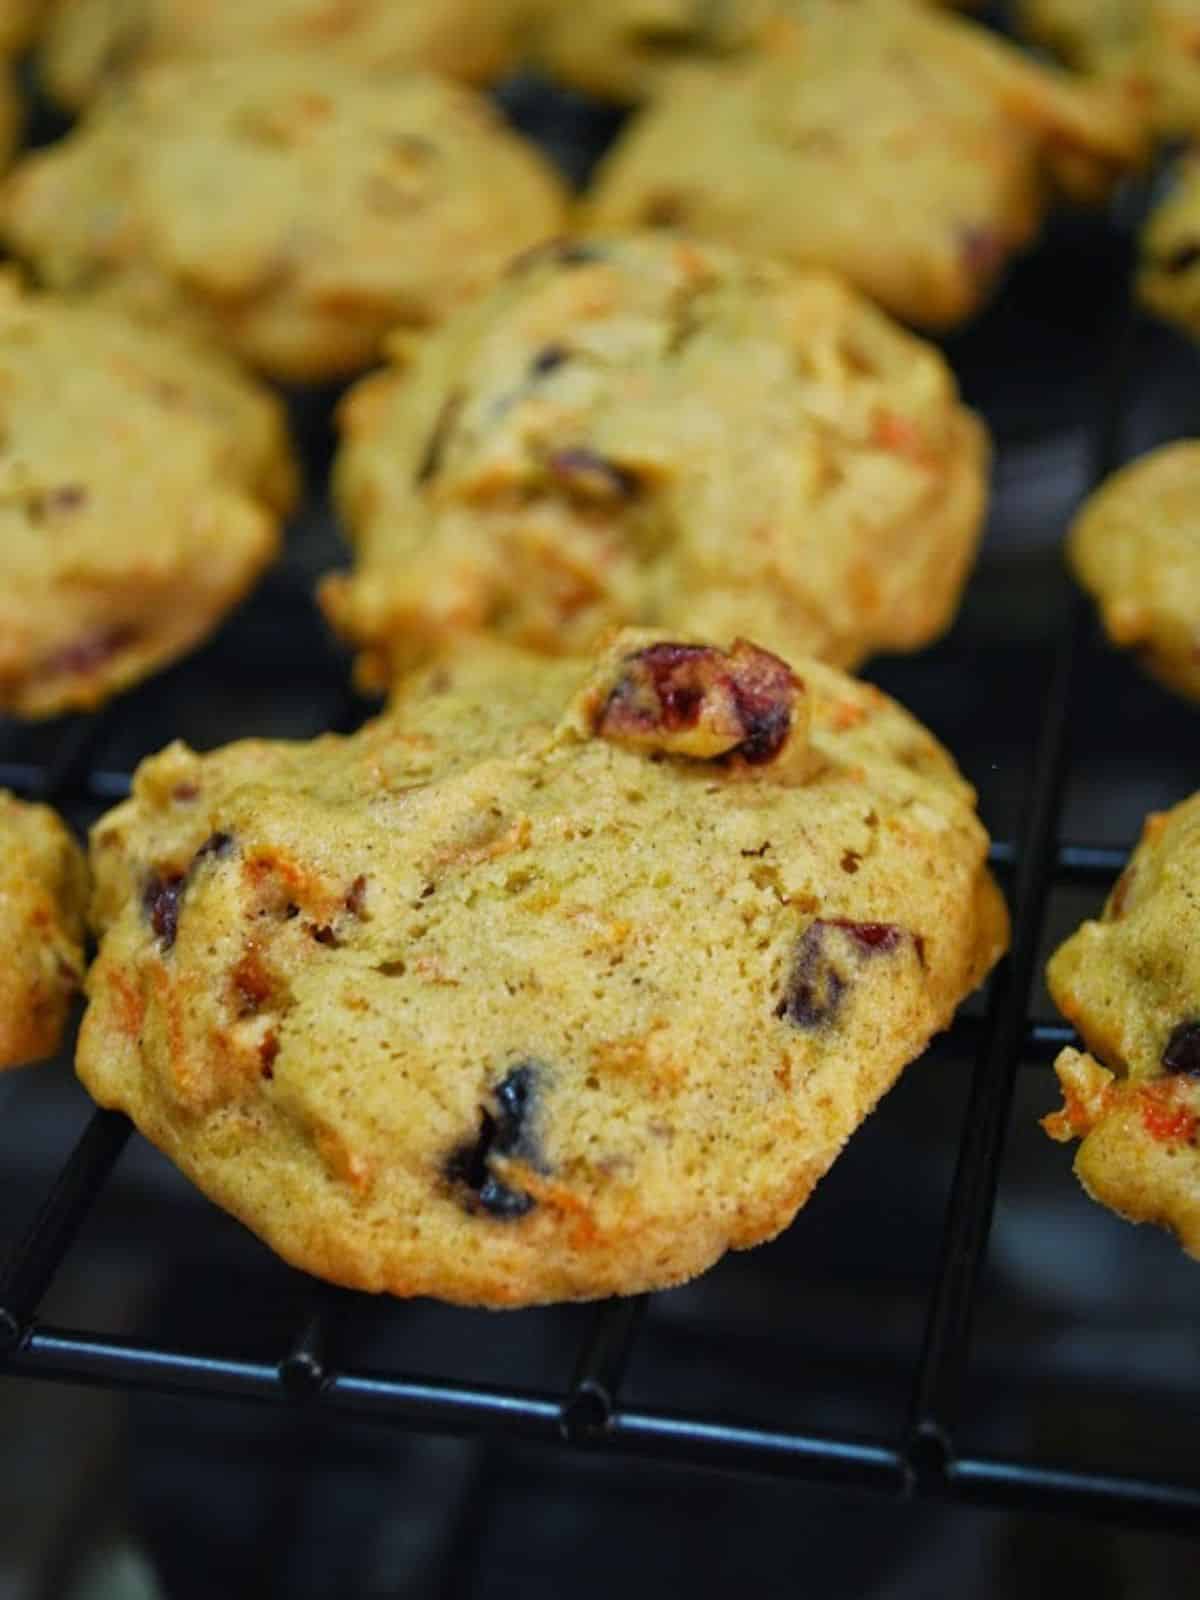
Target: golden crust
(140, 494)
(1130, 983)
(485, 1004)
(647, 431)
(1135, 547)
(923, 147)
(88, 42)
(294, 207)
(43, 892)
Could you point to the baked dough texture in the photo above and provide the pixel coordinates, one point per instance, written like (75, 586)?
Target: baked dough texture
(1130, 984)
(556, 981)
(298, 208)
(1135, 547)
(911, 151)
(141, 486)
(647, 430)
(43, 896)
(89, 42)
(1169, 272)
(1148, 49)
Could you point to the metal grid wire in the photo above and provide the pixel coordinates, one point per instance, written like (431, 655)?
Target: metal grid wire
(923, 1459)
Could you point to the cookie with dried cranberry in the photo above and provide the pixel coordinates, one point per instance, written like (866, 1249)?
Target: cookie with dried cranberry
(298, 208)
(911, 151)
(1135, 547)
(1148, 49)
(87, 43)
(641, 430)
(1130, 983)
(141, 486)
(43, 896)
(556, 981)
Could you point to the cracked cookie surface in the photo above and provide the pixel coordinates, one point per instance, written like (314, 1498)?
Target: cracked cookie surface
(556, 981)
(141, 486)
(296, 208)
(43, 895)
(910, 151)
(1135, 546)
(653, 432)
(1129, 982)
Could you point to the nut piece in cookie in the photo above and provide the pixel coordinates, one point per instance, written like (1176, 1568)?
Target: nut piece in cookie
(324, 205)
(135, 511)
(649, 432)
(558, 980)
(1130, 983)
(913, 152)
(1135, 546)
(43, 892)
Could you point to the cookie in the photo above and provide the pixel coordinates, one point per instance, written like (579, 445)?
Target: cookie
(141, 483)
(89, 42)
(642, 430)
(1130, 984)
(298, 207)
(1169, 271)
(626, 50)
(1135, 547)
(1148, 49)
(43, 895)
(908, 150)
(557, 981)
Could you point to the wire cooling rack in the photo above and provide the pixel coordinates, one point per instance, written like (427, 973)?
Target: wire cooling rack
(923, 1457)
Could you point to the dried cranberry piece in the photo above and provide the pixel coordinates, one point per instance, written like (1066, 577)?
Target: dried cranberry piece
(356, 898)
(89, 652)
(593, 476)
(217, 845)
(1182, 1054)
(160, 901)
(507, 1132)
(876, 938)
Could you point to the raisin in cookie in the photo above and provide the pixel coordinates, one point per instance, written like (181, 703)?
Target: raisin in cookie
(908, 150)
(299, 207)
(141, 483)
(1169, 275)
(649, 431)
(88, 42)
(557, 981)
(1136, 547)
(1130, 983)
(626, 50)
(1149, 49)
(43, 894)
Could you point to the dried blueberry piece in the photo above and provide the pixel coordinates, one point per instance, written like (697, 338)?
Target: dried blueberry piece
(160, 901)
(593, 476)
(506, 1132)
(217, 845)
(1182, 259)
(816, 984)
(1182, 1054)
(548, 359)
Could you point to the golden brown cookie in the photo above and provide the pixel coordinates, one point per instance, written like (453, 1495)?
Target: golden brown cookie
(296, 206)
(626, 50)
(908, 150)
(1130, 983)
(1148, 49)
(141, 484)
(557, 981)
(1169, 276)
(649, 431)
(1135, 547)
(43, 894)
(88, 42)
